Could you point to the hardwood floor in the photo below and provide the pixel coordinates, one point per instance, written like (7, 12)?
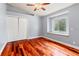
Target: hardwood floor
(38, 47)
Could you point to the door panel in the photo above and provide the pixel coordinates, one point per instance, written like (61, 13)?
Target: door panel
(16, 28)
(12, 28)
(22, 28)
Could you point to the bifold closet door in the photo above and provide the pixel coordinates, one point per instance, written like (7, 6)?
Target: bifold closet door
(22, 27)
(12, 28)
(16, 28)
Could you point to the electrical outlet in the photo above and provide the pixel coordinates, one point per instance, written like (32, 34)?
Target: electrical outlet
(74, 42)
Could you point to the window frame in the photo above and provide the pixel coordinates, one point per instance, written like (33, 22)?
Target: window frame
(59, 16)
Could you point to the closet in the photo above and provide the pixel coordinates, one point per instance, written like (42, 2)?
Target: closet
(16, 27)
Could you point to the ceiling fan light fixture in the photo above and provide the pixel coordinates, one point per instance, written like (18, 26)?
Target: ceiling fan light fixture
(38, 6)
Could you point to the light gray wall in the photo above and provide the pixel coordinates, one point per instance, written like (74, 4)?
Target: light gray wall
(73, 16)
(34, 29)
(2, 24)
(37, 26)
(33, 22)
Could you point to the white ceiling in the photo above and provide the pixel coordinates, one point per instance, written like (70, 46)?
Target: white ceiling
(53, 7)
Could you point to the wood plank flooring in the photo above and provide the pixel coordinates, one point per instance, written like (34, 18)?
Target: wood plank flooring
(38, 47)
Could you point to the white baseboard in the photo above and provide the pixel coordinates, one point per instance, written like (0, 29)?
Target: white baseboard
(34, 37)
(15, 40)
(57, 41)
(48, 38)
(2, 48)
(62, 42)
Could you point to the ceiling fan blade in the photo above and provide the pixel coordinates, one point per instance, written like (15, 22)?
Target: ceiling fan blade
(35, 9)
(30, 4)
(43, 8)
(45, 3)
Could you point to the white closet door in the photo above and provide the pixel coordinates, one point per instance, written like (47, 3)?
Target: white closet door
(12, 28)
(22, 28)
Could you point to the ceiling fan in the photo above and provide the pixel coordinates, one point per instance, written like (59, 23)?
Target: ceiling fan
(38, 6)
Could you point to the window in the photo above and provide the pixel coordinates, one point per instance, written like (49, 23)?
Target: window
(58, 24)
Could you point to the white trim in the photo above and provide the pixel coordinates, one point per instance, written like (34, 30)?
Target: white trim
(62, 42)
(15, 40)
(58, 14)
(48, 38)
(67, 26)
(2, 48)
(52, 28)
(20, 16)
(34, 37)
(56, 41)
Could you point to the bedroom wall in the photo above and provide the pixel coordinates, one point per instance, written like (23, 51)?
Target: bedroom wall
(73, 16)
(2, 24)
(33, 21)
